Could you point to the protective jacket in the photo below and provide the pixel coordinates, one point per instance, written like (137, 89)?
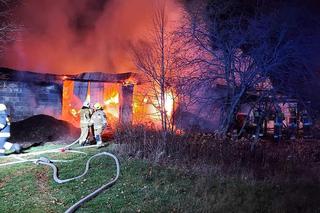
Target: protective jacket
(4, 124)
(98, 119)
(85, 114)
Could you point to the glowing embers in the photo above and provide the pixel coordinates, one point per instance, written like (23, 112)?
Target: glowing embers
(130, 80)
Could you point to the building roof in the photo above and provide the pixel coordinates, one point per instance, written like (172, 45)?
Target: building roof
(8, 74)
(128, 77)
(27, 76)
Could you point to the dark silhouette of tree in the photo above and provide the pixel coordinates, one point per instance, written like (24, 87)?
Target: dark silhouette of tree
(8, 28)
(248, 47)
(160, 59)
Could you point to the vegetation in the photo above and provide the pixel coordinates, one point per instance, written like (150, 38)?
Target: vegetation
(147, 187)
(287, 160)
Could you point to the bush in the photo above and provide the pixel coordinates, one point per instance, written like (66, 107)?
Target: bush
(264, 160)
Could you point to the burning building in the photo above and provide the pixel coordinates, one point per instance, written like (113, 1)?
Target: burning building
(28, 93)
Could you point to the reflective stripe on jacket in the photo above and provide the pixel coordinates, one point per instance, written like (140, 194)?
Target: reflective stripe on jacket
(5, 124)
(98, 119)
(85, 115)
(4, 134)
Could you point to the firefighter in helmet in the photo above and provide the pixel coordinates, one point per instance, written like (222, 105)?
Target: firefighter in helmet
(5, 133)
(85, 115)
(99, 122)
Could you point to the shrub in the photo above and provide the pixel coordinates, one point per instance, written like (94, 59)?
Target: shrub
(297, 159)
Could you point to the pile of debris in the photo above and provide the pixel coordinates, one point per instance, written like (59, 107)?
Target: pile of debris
(41, 129)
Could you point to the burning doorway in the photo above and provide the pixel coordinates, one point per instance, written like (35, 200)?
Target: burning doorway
(110, 90)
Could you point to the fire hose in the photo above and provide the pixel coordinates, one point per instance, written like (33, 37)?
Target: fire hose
(47, 162)
(74, 207)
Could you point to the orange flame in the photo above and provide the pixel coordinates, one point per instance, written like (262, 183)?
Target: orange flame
(169, 103)
(113, 100)
(74, 112)
(146, 106)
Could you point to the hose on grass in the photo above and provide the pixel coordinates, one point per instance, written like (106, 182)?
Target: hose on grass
(47, 162)
(55, 150)
(74, 207)
(20, 159)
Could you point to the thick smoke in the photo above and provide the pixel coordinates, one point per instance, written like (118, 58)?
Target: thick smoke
(73, 36)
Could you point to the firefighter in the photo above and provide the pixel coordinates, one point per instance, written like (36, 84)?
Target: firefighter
(278, 121)
(293, 121)
(99, 122)
(5, 133)
(85, 115)
(307, 122)
(258, 123)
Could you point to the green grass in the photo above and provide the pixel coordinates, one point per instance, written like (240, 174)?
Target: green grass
(143, 187)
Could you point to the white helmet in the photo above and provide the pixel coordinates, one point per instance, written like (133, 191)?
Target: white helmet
(86, 104)
(3, 107)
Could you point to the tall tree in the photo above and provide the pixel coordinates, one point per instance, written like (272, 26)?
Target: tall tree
(158, 58)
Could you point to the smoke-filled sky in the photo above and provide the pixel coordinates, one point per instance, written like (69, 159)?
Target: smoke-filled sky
(73, 36)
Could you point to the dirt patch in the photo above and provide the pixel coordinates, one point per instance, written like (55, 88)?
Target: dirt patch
(45, 196)
(42, 181)
(42, 128)
(4, 181)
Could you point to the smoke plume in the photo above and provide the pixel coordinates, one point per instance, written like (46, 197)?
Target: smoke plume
(73, 36)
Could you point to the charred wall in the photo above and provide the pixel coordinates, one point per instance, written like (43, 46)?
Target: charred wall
(28, 93)
(25, 99)
(125, 109)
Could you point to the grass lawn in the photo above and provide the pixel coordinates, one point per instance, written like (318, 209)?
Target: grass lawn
(143, 187)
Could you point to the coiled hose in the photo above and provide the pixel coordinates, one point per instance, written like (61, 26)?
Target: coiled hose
(74, 207)
(46, 161)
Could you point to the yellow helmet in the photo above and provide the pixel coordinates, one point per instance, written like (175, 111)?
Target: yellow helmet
(97, 106)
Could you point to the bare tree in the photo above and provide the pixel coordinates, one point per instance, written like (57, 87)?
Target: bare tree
(242, 49)
(8, 29)
(158, 58)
